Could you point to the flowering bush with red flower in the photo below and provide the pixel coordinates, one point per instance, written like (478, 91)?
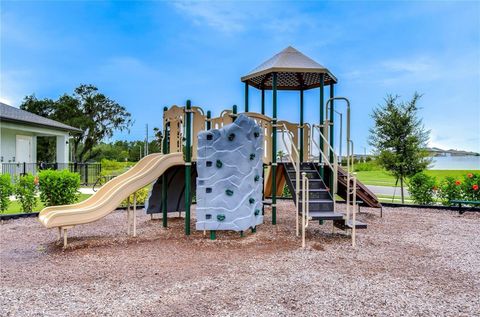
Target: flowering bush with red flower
(449, 189)
(466, 189)
(470, 186)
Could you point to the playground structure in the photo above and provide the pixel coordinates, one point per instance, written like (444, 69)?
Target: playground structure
(312, 172)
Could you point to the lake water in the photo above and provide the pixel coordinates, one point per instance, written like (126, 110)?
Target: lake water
(456, 163)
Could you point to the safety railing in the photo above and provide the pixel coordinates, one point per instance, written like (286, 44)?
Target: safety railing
(305, 205)
(333, 167)
(351, 190)
(296, 165)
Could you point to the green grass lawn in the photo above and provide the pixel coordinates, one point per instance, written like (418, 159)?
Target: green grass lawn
(382, 178)
(15, 207)
(117, 168)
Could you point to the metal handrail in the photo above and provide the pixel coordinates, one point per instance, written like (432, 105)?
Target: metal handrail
(334, 168)
(305, 205)
(296, 166)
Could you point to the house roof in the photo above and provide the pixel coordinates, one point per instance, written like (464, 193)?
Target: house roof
(12, 114)
(295, 71)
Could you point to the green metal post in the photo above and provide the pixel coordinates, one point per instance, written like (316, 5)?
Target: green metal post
(188, 166)
(322, 118)
(332, 109)
(246, 97)
(234, 112)
(213, 234)
(274, 150)
(164, 178)
(209, 116)
(263, 101)
(301, 126)
(332, 139)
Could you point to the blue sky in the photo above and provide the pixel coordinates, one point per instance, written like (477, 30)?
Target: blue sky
(147, 55)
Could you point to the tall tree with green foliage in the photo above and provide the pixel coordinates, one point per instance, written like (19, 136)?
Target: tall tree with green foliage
(87, 109)
(399, 138)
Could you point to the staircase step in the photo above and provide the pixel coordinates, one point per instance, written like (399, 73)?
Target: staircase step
(320, 193)
(309, 174)
(343, 224)
(314, 184)
(325, 215)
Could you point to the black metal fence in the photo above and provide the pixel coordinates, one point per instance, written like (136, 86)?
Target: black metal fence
(89, 172)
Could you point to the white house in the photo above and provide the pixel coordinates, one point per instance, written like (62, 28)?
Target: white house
(19, 130)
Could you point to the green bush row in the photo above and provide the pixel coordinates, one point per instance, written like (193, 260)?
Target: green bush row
(425, 190)
(55, 187)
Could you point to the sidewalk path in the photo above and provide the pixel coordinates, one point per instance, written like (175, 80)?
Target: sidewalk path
(387, 190)
(86, 190)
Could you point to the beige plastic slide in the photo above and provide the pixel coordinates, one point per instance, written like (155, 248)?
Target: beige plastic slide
(110, 195)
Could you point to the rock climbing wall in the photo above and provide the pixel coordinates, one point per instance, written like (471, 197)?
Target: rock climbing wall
(229, 182)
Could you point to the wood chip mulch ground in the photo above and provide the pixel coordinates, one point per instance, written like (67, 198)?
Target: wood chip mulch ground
(411, 262)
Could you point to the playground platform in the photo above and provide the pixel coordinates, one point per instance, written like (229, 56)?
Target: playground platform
(410, 262)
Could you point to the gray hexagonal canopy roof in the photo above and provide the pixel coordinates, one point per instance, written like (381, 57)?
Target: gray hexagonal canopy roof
(295, 71)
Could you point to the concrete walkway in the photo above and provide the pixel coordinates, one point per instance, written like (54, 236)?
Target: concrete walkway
(387, 190)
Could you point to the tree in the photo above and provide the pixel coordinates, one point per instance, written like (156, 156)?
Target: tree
(399, 138)
(87, 109)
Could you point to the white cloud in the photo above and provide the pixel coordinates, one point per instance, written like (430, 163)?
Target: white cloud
(226, 17)
(14, 86)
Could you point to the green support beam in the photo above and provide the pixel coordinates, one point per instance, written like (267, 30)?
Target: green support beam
(332, 139)
(301, 126)
(322, 118)
(274, 150)
(263, 101)
(246, 97)
(188, 165)
(164, 177)
(209, 116)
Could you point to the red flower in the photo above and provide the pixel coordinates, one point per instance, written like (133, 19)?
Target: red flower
(458, 183)
(434, 187)
(475, 187)
(35, 180)
(470, 175)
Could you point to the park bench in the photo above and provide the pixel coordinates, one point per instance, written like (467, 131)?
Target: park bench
(459, 203)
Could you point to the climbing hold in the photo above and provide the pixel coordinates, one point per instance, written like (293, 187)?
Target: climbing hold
(229, 192)
(209, 136)
(219, 164)
(257, 212)
(252, 156)
(221, 217)
(257, 178)
(256, 134)
(208, 190)
(208, 216)
(209, 163)
(231, 136)
(251, 200)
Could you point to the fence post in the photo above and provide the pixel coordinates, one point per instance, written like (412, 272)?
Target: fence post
(24, 168)
(86, 173)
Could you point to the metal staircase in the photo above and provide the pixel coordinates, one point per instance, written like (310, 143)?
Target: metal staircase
(320, 201)
(313, 199)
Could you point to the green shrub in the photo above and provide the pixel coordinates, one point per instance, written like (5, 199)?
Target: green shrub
(59, 187)
(286, 192)
(142, 195)
(471, 186)
(422, 189)
(6, 190)
(450, 189)
(367, 166)
(25, 188)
